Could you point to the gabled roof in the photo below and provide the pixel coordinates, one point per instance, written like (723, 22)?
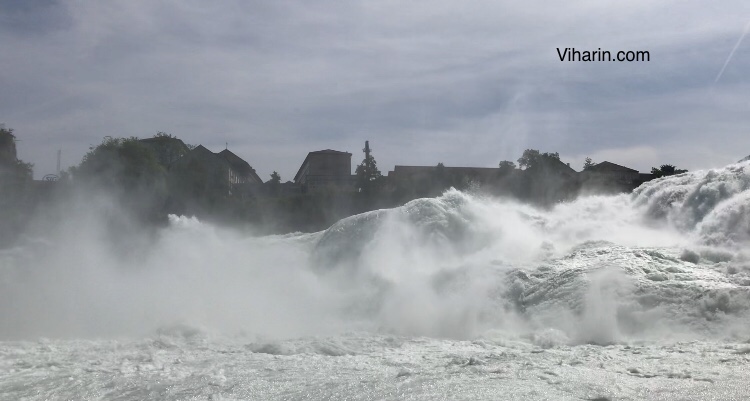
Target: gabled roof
(200, 152)
(608, 166)
(235, 161)
(551, 164)
(326, 151)
(227, 158)
(202, 149)
(238, 164)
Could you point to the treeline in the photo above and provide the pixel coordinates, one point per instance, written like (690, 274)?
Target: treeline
(16, 180)
(149, 185)
(150, 181)
(538, 178)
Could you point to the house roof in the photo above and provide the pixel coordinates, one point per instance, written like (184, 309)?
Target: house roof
(330, 151)
(239, 164)
(235, 161)
(325, 151)
(201, 149)
(201, 152)
(551, 164)
(609, 166)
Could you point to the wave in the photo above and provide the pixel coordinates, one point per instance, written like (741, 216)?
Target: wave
(668, 259)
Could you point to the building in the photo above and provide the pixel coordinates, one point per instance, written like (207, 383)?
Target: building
(232, 168)
(325, 169)
(402, 174)
(610, 173)
(612, 177)
(551, 167)
(201, 170)
(239, 171)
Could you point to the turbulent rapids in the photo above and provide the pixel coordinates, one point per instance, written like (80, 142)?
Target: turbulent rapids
(644, 295)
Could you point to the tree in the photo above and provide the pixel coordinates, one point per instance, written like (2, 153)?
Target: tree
(16, 202)
(506, 167)
(121, 161)
(126, 168)
(7, 146)
(368, 175)
(274, 184)
(532, 157)
(666, 170)
(14, 173)
(588, 163)
(168, 148)
(275, 178)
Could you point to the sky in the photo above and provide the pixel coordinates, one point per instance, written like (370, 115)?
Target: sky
(461, 83)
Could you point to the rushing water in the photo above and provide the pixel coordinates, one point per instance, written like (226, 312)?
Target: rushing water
(636, 296)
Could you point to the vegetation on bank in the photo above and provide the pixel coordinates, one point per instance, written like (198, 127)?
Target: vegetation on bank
(16, 180)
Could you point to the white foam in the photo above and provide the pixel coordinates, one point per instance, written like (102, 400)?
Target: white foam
(454, 266)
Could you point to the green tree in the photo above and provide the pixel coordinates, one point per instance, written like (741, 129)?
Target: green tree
(123, 162)
(588, 163)
(532, 157)
(126, 168)
(16, 197)
(666, 170)
(275, 178)
(506, 167)
(7, 146)
(274, 184)
(368, 176)
(168, 148)
(14, 173)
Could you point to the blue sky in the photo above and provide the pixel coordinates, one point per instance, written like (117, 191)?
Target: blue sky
(462, 83)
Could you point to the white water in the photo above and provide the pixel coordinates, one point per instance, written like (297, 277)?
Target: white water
(461, 297)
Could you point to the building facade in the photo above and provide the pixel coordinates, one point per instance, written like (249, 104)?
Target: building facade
(608, 172)
(239, 171)
(325, 169)
(203, 171)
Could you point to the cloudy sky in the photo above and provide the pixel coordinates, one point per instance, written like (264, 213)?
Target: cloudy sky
(463, 83)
